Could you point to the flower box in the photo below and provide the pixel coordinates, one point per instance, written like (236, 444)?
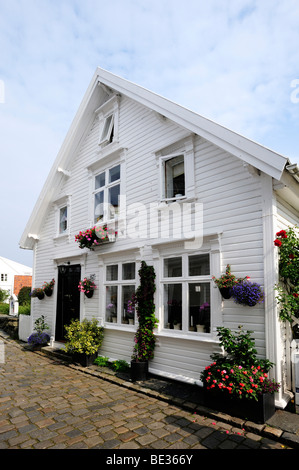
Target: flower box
(258, 411)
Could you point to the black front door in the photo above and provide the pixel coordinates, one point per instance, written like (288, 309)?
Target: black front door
(68, 298)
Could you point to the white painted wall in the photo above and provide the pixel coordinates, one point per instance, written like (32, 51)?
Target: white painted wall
(232, 205)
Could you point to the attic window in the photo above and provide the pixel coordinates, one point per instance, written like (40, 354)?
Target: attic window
(108, 130)
(108, 114)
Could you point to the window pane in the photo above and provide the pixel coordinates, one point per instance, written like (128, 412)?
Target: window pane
(128, 310)
(108, 125)
(63, 220)
(175, 177)
(112, 273)
(114, 174)
(173, 267)
(111, 303)
(114, 193)
(98, 206)
(173, 306)
(199, 307)
(128, 271)
(199, 265)
(100, 180)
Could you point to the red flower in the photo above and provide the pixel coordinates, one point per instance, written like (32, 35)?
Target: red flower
(277, 242)
(295, 294)
(282, 234)
(291, 256)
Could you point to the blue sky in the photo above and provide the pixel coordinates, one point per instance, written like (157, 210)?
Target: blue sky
(233, 61)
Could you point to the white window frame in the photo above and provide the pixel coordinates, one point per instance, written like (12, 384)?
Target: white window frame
(185, 280)
(184, 148)
(109, 109)
(59, 204)
(105, 189)
(164, 183)
(62, 232)
(119, 284)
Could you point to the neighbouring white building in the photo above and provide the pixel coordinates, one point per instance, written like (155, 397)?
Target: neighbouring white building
(10, 271)
(185, 195)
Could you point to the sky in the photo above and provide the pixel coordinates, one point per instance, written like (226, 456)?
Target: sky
(235, 62)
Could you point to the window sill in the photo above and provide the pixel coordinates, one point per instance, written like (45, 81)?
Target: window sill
(165, 202)
(61, 237)
(120, 327)
(193, 336)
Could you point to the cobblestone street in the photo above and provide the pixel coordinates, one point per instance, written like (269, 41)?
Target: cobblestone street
(44, 404)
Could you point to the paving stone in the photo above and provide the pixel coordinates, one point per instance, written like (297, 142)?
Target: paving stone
(54, 405)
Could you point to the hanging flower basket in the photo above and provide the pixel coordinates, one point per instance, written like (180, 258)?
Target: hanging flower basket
(95, 236)
(226, 292)
(38, 292)
(248, 293)
(226, 282)
(48, 287)
(87, 286)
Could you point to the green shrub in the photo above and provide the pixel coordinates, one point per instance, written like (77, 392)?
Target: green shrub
(4, 308)
(84, 337)
(102, 361)
(24, 309)
(3, 295)
(120, 365)
(24, 295)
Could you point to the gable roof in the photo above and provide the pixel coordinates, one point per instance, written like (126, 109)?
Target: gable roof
(250, 152)
(10, 266)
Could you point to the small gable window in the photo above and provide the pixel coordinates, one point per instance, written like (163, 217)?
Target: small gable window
(174, 177)
(108, 130)
(108, 121)
(63, 224)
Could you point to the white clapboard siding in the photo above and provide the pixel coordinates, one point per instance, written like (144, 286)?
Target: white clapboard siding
(232, 205)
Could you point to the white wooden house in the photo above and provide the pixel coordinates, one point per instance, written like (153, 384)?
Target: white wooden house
(9, 271)
(187, 196)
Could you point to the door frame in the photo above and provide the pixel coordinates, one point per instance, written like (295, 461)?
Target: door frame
(74, 260)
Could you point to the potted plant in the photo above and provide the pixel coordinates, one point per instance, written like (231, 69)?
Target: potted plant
(83, 340)
(39, 338)
(95, 236)
(87, 286)
(226, 282)
(237, 382)
(247, 293)
(38, 292)
(48, 287)
(144, 337)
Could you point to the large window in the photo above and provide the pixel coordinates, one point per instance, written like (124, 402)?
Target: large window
(106, 194)
(186, 293)
(120, 287)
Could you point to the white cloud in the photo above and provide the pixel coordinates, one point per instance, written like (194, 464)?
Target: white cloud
(232, 61)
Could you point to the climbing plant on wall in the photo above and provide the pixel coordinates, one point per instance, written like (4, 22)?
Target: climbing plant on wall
(287, 242)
